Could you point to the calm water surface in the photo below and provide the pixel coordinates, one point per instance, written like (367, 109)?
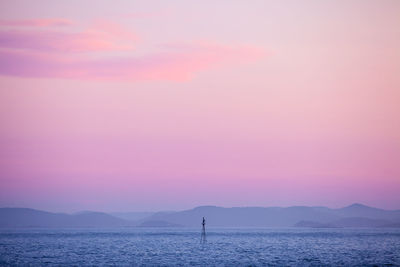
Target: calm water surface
(224, 247)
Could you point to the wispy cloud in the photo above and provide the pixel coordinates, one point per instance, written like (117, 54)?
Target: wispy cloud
(65, 54)
(100, 36)
(167, 65)
(56, 41)
(36, 22)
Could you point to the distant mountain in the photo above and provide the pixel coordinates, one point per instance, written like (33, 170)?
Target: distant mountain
(131, 216)
(312, 224)
(392, 225)
(360, 222)
(244, 217)
(351, 222)
(355, 215)
(359, 210)
(25, 218)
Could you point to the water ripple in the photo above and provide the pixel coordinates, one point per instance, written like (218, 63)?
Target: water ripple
(181, 247)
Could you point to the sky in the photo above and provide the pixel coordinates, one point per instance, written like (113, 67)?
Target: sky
(168, 105)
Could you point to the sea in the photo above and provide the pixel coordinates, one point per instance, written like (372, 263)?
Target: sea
(182, 247)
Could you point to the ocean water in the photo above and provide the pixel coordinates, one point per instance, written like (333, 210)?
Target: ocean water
(182, 247)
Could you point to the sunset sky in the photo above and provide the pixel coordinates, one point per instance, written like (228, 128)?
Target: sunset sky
(168, 105)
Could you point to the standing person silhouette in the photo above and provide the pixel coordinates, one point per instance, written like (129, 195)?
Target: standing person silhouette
(203, 232)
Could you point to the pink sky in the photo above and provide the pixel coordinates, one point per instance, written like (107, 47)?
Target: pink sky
(160, 105)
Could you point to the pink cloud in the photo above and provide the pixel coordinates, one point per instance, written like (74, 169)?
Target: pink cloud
(114, 29)
(53, 41)
(36, 22)
(102, 35)
(177, 65)
(42, 54)
(56, 41)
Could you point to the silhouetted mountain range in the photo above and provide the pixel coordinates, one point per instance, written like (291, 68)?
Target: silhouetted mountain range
(25, 218)
(131, 216)
(356, 215)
